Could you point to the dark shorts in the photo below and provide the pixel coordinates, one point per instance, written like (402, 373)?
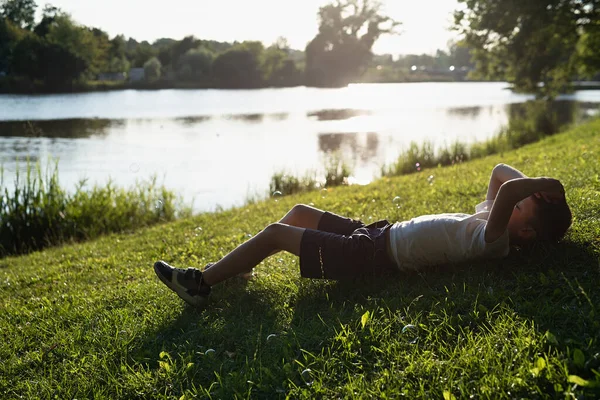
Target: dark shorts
(343, 248)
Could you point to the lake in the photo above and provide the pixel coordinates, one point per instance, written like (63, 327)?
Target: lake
(218, 147)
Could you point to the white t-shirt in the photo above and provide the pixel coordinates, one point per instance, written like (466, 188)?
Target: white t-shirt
(445, 238)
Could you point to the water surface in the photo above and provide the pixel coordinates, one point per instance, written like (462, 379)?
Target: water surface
(218, 147)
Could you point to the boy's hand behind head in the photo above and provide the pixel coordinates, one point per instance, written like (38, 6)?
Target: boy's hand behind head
(552, 188)
(551, 197)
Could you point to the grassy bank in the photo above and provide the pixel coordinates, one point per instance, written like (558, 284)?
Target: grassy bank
(92, 321)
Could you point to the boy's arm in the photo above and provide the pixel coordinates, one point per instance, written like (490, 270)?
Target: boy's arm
(500, 174)
(509, 194)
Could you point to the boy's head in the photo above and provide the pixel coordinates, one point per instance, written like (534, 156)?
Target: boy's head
(535, 219)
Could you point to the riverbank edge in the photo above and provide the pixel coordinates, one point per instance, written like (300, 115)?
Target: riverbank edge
(20, 87)
(8, 87)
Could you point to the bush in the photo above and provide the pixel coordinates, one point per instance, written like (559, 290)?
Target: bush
(286, 184)
(152, 69)
(336, 171)
(38, 213)
(195, 65)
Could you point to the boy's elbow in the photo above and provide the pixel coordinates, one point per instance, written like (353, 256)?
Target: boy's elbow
(499, 166)
(512, 191)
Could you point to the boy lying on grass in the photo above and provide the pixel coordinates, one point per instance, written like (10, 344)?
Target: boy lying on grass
(517, 212)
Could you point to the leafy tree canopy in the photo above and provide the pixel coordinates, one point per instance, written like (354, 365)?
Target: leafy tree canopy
(341, 50)
(152, 69)
(538, 45)
(19, 12)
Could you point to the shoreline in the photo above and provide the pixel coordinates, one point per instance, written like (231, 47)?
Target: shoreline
(95, 87)
(8, 87)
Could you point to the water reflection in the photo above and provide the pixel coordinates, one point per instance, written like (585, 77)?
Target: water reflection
(250, 118)
(543, 117)
(279, 116)
(470, 112)
(64, 128)
(17, 152)
(332, 142)
(242, 138)
(363, 147)
(337, 115)
(85, 128)
(562, 112)
(529, 120)
(190, 121)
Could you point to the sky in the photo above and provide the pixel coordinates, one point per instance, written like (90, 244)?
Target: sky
(424, 24)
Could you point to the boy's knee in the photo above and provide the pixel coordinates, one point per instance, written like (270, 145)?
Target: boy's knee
(273, 229)
(301, 209)
(296, 213)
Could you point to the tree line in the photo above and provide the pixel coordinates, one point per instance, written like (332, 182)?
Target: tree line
(538, 45)
(56, 51)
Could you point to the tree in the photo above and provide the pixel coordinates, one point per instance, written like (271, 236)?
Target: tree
(239, 67)
(196, 64)
(152, 69)
(282, 44)
(52, 63)
(287, 75)
(89, 44)
(116, 54)
(341, 51)
(532, 43)
(460, 55)
(100, 47)
(10, 35)
(56, 53)
(588, 51)
(273, 61)
(49, 16)
(140, 54)
(117, 65)
(19, 12)
(172, 54)
(277, 67)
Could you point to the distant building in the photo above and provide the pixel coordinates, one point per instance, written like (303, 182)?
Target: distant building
(136, 74)
(112, 76)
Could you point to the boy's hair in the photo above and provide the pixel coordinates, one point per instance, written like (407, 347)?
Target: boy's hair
(552, 220)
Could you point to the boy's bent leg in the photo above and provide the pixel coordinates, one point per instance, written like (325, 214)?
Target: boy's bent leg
(303, 216)
(249, 254)
(308, 217)
(300, 215)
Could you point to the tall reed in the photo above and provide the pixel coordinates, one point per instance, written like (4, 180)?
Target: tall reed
(335, 173)
(528, 123)
(37, 212)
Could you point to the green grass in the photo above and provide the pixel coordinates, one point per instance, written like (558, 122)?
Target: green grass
(92, 321)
